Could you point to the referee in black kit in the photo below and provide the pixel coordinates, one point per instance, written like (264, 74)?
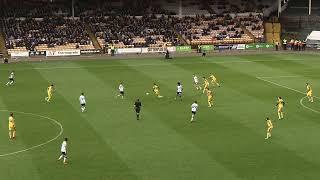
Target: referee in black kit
(137, 107)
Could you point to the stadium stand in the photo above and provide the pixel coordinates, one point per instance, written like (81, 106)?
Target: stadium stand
(46, 33)
(137, 24)
(211, 30)
(299, 8)
(296, 22)
(240, 6)
(254, 23)
(188, 7)
(128, 31)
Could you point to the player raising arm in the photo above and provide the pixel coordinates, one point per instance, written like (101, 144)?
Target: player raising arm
(309, 92)
(214, 80)
(280, 104)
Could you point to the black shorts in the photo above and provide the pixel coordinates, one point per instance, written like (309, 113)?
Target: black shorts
(193, 112)
(122, 93)
(179, 93)
(83, 105)
(64, 153)
(11, 79)
(138, 110)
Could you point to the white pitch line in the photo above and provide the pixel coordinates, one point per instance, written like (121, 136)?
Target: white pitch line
(271, 82)
(271, 77)
(301, 100)
(39, 145)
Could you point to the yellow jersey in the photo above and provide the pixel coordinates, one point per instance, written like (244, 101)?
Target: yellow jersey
(50, 89)
(213, 77)
(206, 82)
(11, 122)
(280, 103)
(209, 94)
(269, 124)
(309, 89)
(155, 88)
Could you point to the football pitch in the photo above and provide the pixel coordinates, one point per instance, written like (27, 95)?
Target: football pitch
(107, 142)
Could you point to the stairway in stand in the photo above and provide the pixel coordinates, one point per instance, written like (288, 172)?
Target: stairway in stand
(3, 49)
(93, 38)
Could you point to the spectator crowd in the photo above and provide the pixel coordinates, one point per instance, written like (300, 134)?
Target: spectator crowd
(121, 23)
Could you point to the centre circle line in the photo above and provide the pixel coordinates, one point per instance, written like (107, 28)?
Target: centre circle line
(39, 145)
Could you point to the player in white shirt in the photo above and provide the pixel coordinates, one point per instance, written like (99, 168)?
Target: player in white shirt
(82, 100)
(179, 91)
(196, 82)
(121, 90)
(64, 151)
(11, 79)
(194, 108)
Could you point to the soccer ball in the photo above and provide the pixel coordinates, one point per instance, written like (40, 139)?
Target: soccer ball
(147, 93)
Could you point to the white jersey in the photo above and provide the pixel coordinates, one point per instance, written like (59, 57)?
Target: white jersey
(82, 99)
(64, 146)
(194, 107)
(11, 76)
(195, 79)
(121, 88)
(179, 88)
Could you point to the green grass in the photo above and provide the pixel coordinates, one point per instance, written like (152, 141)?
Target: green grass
(107, 143)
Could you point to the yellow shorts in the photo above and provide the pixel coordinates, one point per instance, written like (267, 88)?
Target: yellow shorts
(269, 129)
(280, 109)
(210, 98)
(12, 127)
(309, 93)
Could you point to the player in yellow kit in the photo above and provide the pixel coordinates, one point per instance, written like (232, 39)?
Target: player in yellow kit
(280, 104)
(50, 92)
(205, 84)
(12, 127)
(309, 92)
(214, 80)
(210, 97)
(156, 90)
(269, 128)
